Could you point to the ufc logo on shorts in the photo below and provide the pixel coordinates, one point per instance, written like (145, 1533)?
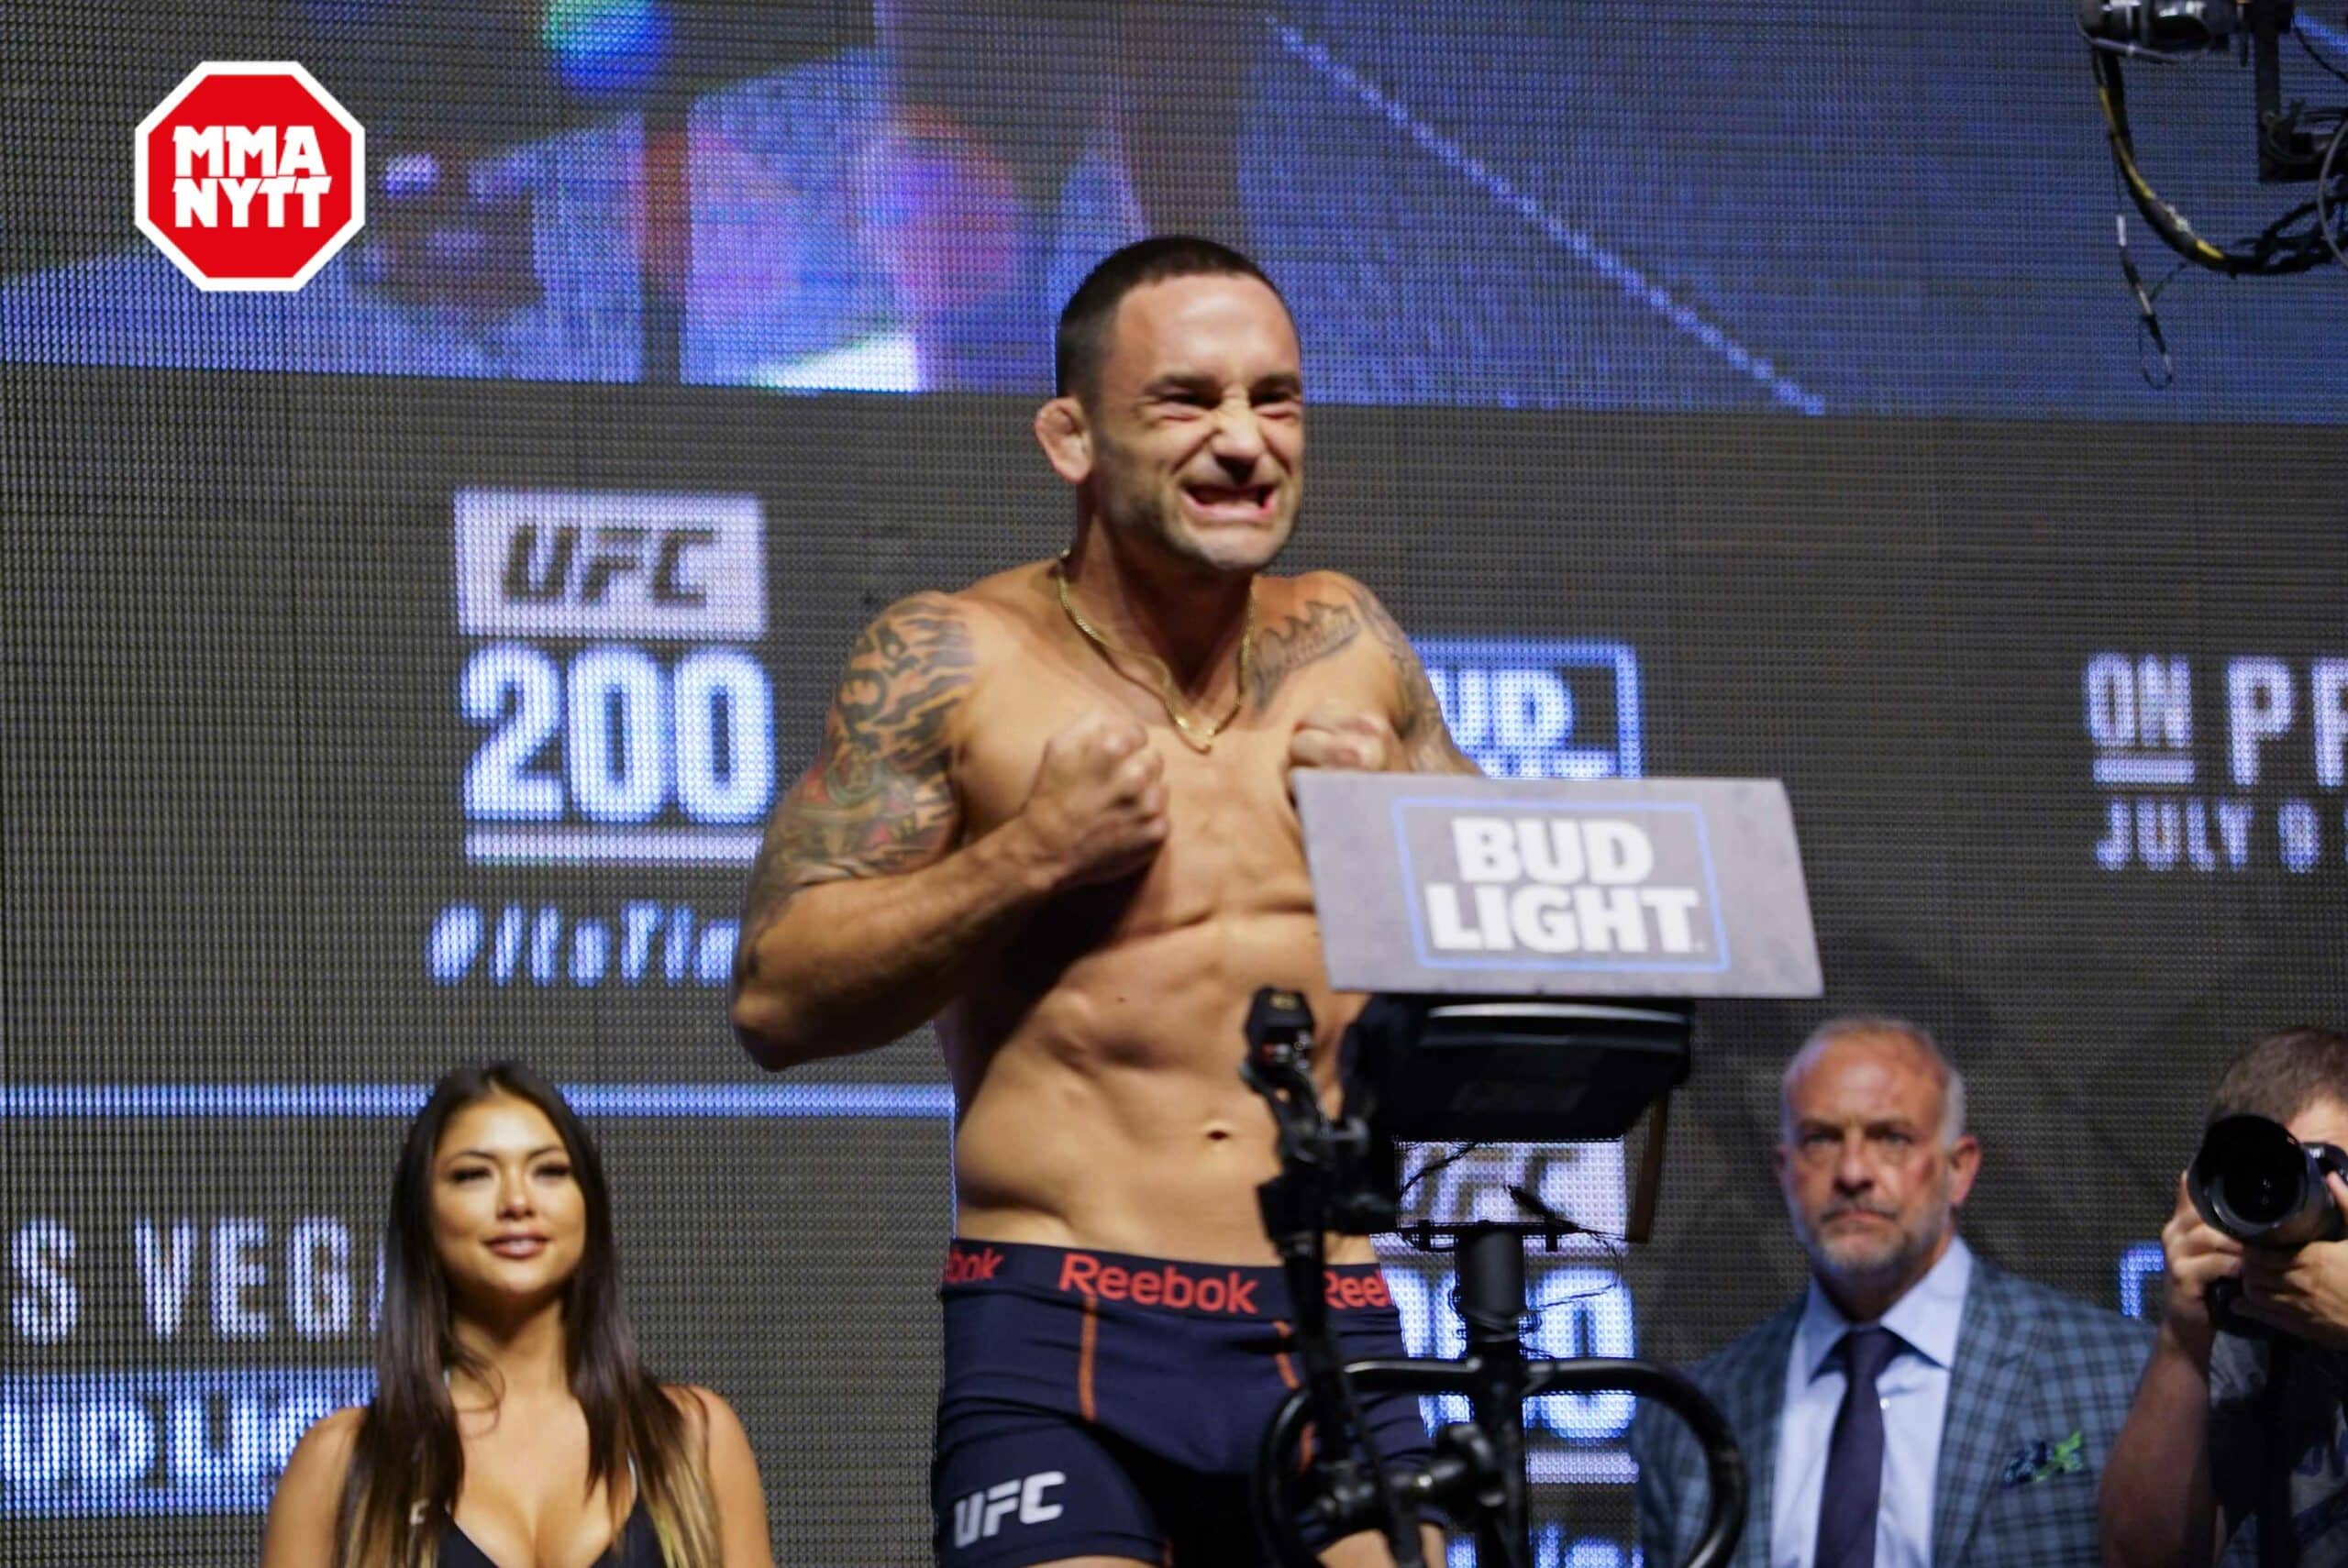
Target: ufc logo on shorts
(981, 1515)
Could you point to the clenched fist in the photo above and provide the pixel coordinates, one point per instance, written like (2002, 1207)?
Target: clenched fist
(1334, 735)
(1097, 809)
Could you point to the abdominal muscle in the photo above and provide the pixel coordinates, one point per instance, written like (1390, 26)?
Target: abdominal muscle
(1096, 1060)
(1101, 1104)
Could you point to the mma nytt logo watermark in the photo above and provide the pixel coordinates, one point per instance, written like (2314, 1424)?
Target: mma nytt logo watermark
(249, 176)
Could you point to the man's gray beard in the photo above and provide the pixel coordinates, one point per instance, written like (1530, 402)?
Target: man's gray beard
(1871, 1273)
(1889, 1268)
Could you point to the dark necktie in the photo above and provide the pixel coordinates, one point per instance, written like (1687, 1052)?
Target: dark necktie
(1855, 1456)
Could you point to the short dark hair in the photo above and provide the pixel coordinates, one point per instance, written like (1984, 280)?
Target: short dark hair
(2283, 1074)
(1084, 322)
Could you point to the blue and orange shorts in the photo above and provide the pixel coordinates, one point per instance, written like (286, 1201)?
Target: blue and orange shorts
(1097, 1404)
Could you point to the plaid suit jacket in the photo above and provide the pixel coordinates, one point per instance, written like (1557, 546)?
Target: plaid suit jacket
(2032, 1366)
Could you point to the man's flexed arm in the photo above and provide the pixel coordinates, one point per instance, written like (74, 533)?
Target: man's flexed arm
(877, 799)
(1410, 737)
(876, 802)
(863, 918)
(1427, 746)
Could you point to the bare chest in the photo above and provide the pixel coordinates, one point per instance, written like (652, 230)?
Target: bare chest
(1234, 846)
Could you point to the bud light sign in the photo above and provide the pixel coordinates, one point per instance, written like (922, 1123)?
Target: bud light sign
(1538, 709)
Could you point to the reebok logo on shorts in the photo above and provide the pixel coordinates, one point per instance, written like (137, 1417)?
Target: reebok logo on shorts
(1163, 1285)
(967, 1267)
(1178, 1288)
(1214, 1290)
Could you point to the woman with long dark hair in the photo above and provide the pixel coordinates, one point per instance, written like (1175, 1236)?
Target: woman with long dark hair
(512, 1424)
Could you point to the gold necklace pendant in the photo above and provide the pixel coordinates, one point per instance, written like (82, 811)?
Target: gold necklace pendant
(1200, 737)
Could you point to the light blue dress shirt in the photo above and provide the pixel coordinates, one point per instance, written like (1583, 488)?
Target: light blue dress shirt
(1915, 1393)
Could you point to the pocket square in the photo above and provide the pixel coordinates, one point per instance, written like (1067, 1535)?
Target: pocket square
(2040, 1460)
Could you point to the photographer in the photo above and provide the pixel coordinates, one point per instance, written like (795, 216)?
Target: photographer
(2212, 1437)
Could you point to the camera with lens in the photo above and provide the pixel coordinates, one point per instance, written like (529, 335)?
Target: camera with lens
(2161, 26)
(2263, 1188)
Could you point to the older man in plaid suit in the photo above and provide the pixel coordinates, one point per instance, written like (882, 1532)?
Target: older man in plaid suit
(1918, 1407)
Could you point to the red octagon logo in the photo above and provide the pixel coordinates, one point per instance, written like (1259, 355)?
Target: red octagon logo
(250, 176)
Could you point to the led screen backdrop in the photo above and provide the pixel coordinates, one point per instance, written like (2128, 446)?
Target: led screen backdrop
(358, 724)
(1620, 205)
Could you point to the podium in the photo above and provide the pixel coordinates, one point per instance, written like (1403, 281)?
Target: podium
(1537, 948)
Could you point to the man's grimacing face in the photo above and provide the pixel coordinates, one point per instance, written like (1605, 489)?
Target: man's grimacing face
(1198, 422)
(1870, 1184)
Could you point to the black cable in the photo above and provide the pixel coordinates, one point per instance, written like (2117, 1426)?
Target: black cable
(2168, 222)
(1441, 1162)
(2273, 253)
(1616, 1254)
(1387, 1504)
(2278, 1537)
(2134, 51)
(2323, 193)
(2148, 320)
(2319, 58)
(2148, 330)
(1397, 1518)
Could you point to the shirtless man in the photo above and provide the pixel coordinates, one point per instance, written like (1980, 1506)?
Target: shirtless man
(1052, 811)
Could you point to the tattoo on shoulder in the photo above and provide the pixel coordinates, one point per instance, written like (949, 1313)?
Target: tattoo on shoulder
(1419, 721)
(877, 799)
(1318, 629)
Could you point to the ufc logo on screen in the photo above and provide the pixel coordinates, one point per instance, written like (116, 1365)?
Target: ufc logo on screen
(982, 1514)
(625, 716)
(550, 565)
(589, 564)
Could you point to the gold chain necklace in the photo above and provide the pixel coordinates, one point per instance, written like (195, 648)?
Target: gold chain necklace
(1199, 738)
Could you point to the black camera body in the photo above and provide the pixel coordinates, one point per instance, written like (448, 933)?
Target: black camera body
(2163, 26)
(2253, 1181)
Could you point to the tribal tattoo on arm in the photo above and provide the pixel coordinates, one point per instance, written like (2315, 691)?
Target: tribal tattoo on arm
(879, 798)
(1323, 627)
(1313, 632)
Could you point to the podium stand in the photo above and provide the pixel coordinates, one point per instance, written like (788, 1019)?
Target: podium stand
(1538, 948)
